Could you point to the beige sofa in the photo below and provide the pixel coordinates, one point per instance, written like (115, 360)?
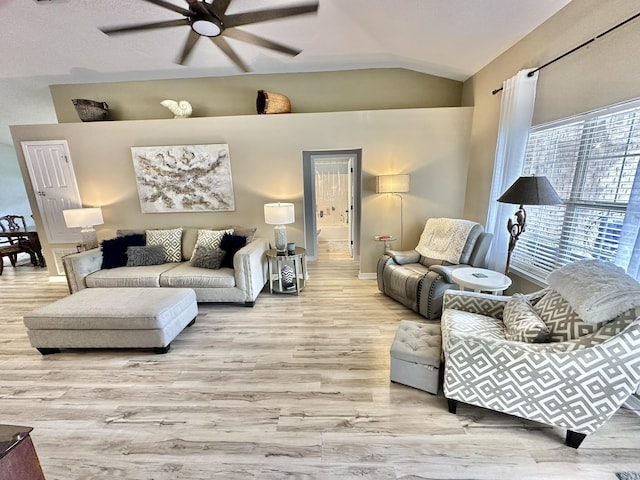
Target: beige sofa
(240, 284)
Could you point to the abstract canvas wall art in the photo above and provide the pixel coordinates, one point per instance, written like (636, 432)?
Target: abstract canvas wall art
(184, 178)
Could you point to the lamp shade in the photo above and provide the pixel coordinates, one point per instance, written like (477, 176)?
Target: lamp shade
(533, 190)
(392, 183)
(279, 213)
(83, 217)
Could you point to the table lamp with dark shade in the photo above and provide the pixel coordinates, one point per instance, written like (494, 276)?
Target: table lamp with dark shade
(532, 190)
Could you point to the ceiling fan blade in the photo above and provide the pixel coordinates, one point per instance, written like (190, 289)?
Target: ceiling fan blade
(188, 47)
(170, 6)
(259, 41)
(223, 45)
(144, 26)
(239, 19)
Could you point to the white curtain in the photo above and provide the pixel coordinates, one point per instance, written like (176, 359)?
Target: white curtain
(516, 112)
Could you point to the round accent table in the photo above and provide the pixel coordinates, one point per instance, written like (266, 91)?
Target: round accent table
(481, 280)
(287, 273)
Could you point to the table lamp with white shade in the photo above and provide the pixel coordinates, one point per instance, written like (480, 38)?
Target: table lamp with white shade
(279, 214)
(86, 219)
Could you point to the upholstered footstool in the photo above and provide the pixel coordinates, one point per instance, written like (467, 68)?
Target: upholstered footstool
(415, 355)
(113, 318)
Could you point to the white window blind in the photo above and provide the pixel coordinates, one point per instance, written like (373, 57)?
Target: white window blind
(591, 160)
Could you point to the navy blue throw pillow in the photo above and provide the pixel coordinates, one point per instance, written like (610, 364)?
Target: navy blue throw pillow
(231, 244)
(114, 251)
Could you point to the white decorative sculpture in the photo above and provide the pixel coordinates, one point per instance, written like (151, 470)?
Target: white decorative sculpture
(181, 109)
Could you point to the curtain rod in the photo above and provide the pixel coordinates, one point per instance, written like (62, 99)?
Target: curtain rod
(532, 72)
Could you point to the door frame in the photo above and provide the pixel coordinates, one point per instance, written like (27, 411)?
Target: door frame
(309, 197)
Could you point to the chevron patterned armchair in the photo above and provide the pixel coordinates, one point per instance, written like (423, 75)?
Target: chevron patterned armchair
(534, 356)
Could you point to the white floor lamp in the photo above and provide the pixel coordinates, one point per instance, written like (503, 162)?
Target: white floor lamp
(394, 185)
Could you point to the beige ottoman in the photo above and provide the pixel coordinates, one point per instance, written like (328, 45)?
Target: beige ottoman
(415, 355)
(113, 318)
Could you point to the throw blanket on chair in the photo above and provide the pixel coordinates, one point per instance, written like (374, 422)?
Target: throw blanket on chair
(597, 290)
(444, 239)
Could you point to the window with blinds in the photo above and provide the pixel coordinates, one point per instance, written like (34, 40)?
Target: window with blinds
(592, 161)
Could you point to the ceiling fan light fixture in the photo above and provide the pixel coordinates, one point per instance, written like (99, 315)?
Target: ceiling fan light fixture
(207, 26)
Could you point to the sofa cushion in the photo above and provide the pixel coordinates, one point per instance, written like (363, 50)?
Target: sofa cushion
(522, 323)
(459, 325)
(171, 240)
(187, 276)
(231, 244)
(562, 320)
(148, 276)
(147, 255)
(207, 257)
(114, 250)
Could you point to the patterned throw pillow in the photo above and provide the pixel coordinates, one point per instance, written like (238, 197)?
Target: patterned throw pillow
(142, 256)
(171, 240)
(522, 323)
(562, 320)
(207, 257)
(210, 239)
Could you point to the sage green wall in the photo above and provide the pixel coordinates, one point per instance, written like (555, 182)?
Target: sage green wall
(606, 72)
(354, 90)
(266, 162)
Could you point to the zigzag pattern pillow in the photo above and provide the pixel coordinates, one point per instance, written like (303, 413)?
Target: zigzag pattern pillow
(522, 323)
(562, 320)
(171, 240)
(210, 239)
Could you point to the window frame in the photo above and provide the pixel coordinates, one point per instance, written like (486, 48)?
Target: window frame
(567, 246)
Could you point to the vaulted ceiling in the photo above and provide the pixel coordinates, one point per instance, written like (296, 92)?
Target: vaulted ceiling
(44, 42)
(449, 38)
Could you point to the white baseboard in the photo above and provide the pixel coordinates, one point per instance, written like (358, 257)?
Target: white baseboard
(367, 276)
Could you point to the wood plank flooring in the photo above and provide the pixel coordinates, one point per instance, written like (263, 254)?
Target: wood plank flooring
(296, 387)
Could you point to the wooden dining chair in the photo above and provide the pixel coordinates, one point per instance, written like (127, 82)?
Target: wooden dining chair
(11, 246)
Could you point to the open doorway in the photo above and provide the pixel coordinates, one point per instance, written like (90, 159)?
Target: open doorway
(332, 200)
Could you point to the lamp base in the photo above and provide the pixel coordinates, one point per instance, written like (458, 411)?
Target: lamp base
(89, 238)
(280, 234)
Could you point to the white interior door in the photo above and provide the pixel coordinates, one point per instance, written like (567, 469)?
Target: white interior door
(55, 187)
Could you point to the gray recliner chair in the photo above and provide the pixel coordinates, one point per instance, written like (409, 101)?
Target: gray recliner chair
(419, 282)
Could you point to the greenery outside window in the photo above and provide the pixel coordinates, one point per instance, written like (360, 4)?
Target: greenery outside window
(592, 162)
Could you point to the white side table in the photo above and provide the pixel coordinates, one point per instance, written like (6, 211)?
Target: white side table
(297, 261)
(481, 280)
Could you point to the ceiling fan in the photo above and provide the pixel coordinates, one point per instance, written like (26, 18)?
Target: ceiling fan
(209, 19)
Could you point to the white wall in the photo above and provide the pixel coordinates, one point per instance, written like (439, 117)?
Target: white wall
(266, 161)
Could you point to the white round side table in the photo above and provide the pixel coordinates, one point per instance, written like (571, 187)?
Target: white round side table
(481, 280)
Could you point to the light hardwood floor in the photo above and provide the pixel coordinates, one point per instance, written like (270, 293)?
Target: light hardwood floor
(296, 387)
